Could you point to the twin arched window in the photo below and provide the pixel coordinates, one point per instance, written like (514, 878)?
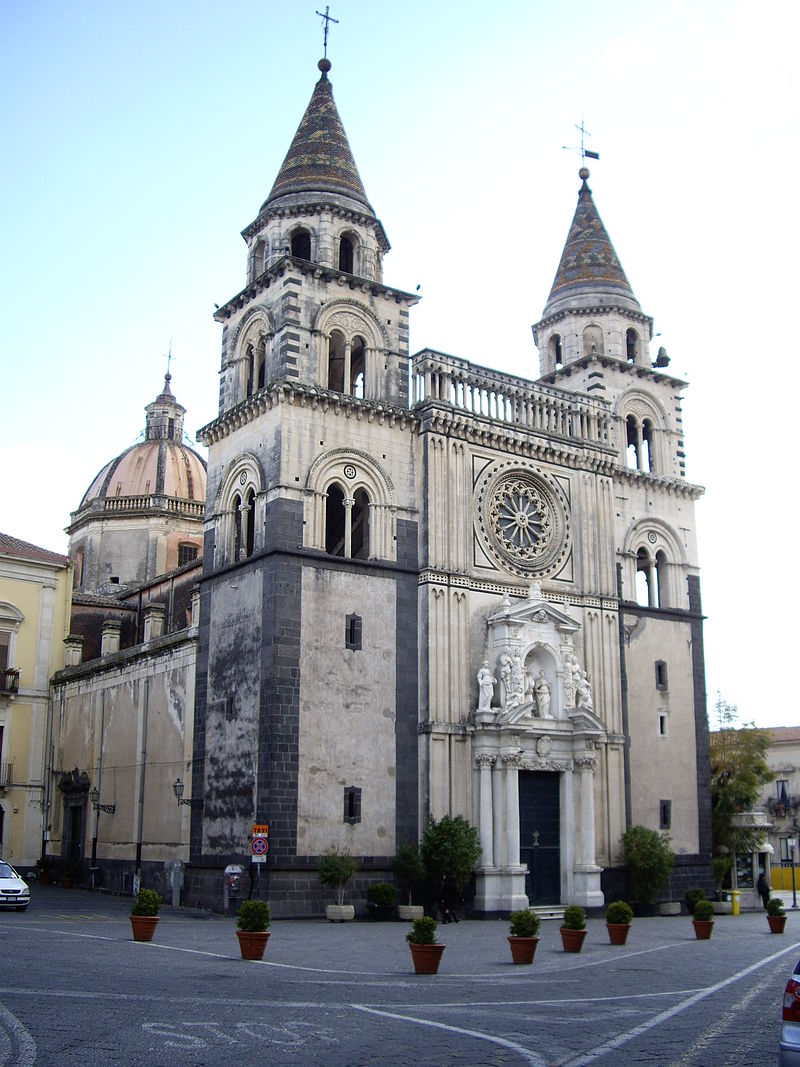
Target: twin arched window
(347, 523)
(244, 524)
(639, 450)
(651, 579)
(346, 364)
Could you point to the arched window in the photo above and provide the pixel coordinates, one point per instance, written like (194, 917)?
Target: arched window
(556, 350)
(250, 522)
(662, 598)
(301, 244)
(632, 443)
(236, 507)
(359, 534)
(357, 358)
(647, 446)
(631, 345)
(346, 250)
(644, 591)
(336, 362)
(259, 261)
(335, 521)
(593, 341)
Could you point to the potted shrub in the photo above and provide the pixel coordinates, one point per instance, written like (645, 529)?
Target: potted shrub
(522, 935)
(619, 917)
(776, 916)
(691, 897)
(426, 951)
(380, 900)
(703, 919)
(408, 869)
(336, 869)
(252, 921)
(144, 914)
(648, 861)
(573, 928)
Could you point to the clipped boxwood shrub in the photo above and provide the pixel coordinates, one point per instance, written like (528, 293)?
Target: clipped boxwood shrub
(148, 902)
(704, 910)
(574, 917)
(618, 913)
(524, 923)
(423, 931)
(691, 898)
(381, 893)
(336, 869)
(774, 906)
(253, 916)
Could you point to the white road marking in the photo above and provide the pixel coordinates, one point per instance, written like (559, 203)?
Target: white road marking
(26, 1046)
(670, 1013)
(527, 1054)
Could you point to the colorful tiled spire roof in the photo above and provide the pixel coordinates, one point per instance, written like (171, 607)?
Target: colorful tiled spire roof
(319, 159)
(589, 265)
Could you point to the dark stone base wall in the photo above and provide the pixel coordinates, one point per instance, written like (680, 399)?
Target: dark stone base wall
(688, 873)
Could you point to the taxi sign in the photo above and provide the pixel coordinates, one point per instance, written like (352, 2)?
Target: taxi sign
(260, 830)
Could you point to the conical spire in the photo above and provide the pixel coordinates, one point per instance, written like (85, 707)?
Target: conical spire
(589, 267)
(319, 159)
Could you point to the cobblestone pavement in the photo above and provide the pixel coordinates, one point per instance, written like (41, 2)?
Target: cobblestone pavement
(75, 989)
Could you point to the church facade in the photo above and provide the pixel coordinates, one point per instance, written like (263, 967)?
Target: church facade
(433, 588)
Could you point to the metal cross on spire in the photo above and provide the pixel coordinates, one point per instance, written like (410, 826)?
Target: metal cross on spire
(169, 357)
(327, 19)
(585, 152)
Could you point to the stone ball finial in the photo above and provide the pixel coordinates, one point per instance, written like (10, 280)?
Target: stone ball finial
(583, 173)
(324, 65)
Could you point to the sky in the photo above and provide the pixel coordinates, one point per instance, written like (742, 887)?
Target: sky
(141, 138)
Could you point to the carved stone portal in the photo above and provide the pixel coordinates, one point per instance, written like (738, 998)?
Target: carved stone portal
(535, 713)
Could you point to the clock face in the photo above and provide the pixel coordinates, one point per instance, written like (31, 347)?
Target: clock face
(523, 519)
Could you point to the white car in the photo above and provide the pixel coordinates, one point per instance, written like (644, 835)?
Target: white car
(14, 892)
(789, 1055)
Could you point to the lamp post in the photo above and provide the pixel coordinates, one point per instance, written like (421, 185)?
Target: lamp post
(94, 797)
(792, 842)
(178, 788)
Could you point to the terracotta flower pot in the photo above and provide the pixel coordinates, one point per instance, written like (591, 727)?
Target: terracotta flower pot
(703, 928)
(252, 943)
(143, 926)
(776, 923)
(618, 932)
(426, 957)
(572, 940)
(523, 949)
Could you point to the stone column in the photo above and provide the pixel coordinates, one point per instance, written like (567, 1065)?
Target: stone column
(486, 829)
(497, 813)
(586, 767)
(639, 446)
(512, 763)
(346, 383)
(348, 526)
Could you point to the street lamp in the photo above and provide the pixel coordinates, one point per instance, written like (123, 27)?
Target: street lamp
(178, 788)
(791, 843)
(94, 796)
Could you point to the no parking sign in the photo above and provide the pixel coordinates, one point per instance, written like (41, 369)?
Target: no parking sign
(259, 845)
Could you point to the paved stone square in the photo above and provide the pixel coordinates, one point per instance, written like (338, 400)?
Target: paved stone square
(77, 990)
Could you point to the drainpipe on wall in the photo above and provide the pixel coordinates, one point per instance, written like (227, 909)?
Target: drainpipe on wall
(47, 771)
(142, 766)
(99, 786)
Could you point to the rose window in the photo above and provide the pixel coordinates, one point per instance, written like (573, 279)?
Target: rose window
(521, 519)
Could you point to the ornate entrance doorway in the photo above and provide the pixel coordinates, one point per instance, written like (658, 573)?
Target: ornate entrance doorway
(539, 835)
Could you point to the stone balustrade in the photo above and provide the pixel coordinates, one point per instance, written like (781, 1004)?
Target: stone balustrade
(492, 395)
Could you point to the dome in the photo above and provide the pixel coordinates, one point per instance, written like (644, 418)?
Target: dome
(159, 466)
(142, 516)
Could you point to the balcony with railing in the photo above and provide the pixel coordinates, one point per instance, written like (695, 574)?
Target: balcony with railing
(9, 681)
(489, 394)
(5, 775)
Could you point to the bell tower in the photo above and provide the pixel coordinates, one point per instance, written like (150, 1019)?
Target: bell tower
(315, 309)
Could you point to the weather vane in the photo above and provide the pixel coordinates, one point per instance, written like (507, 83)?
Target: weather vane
(327, 19)
(585, 152)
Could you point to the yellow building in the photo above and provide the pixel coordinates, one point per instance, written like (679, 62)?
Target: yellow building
(35, 591)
